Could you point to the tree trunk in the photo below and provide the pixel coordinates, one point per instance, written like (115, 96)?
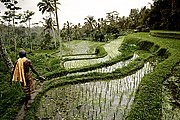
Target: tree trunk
(53, 32)
(54, 37)
(15, 43)
(29, 30)
(5, 57)
(59, 37)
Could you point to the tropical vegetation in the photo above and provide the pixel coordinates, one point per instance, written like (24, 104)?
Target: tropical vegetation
(126, 66)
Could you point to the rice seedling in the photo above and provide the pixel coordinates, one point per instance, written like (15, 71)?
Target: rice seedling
(108, 69)
(111, 48)
(101, 99)
(79, 56)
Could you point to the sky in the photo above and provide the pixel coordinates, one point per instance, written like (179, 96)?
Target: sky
(75, 11)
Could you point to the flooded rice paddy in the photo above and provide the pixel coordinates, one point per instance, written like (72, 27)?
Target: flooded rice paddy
(79, 57)
(108, 69)
(111, 48)
(100, 100)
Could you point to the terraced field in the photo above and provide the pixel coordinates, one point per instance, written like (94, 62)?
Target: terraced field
(80, 47)
(108, 69)
(79, 56)
(103, 100)
(111, 48)
(120, 88)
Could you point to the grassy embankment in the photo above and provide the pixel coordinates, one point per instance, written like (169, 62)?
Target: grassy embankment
(128, 48)
(11, 97)
(148, 100)
(150, 86)
(44, 61)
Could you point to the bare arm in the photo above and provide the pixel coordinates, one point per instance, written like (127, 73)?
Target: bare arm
(33, 70)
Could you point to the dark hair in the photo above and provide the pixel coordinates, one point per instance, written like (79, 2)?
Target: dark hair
(22, 53)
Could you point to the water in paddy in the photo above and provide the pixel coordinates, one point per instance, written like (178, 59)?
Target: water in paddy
(100, 100)
(108, 69)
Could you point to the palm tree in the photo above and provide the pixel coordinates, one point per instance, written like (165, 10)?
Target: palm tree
(90, 21)
(51, 7)
(48, 24)
(91, 24)
(58, 29)
(26, 17)
(46, 6)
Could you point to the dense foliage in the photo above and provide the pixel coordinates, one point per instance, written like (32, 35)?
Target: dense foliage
(164, 14)
(41, 44)
(11, 95)
(149, 94)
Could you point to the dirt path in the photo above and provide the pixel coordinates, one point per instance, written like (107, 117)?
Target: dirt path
(22, 112)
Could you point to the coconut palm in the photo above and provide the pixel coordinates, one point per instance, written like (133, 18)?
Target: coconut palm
(48, 24)
(51, 7)
(46, 6)
(90, 21)
(26, 18)
(57, 23)
(90, 25)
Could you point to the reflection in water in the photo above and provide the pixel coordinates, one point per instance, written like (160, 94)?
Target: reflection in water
(108, 69)
(79, 56)
(103, 100)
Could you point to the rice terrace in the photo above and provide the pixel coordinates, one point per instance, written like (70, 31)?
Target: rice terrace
(112, 68)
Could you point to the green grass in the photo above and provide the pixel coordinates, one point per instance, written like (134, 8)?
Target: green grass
(44, 61)
(111, 49)
(79, 47)
(148, 99)
(119, 73)
(166, 34)
(11, 96)
(130, 69)
(99, 53)
(165, 31)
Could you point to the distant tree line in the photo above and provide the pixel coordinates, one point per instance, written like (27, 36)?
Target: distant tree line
(16, 29)
(165, 14)
(162, 14)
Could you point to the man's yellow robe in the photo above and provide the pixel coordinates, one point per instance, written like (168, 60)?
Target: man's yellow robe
(18, 74)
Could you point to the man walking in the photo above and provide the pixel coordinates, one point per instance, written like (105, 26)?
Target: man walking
(22, 74)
